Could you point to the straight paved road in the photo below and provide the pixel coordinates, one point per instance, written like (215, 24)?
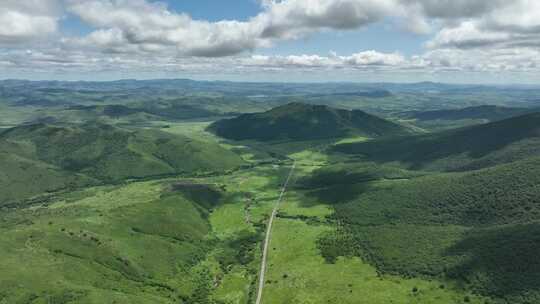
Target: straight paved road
(269, 235)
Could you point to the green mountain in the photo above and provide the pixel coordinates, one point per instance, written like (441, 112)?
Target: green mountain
(298, 121)
(54, 156)
(478, 227)
(457, 150)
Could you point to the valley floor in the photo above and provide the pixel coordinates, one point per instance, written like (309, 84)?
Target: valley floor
(162, 241)
(298, 273)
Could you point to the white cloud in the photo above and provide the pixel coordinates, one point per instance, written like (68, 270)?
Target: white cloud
(455, 9)
(464, 35)
(467, 35)
(23, 21)
(294, 18)
(514, 24)
(374, 58)
(362, 60)
(139, 26)
(454, 64)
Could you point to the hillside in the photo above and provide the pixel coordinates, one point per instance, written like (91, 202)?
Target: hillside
(298, 121)
(487, 112)
(478, 227)
(147, 242)
(444, 119)
(457, 150)
(22, 178)
(55, 156)
(156, 110)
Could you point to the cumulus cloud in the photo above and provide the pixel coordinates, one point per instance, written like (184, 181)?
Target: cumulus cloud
(332, 66)
(23, 21)
(463, 35)
(512, 24)
(467, 35)
(361, 60)
(140, 26)
(455, 9)
(293, 18)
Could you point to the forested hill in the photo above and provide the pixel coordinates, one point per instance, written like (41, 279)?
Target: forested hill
(485, 112)
(44, 157)
(297, 121)
(458, 150)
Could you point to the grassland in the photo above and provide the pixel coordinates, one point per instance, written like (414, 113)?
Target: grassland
(64, 157)
(195, 240)
(477, 229)
(167, 240)
(299, 273)
(163, 241)
(360, 226)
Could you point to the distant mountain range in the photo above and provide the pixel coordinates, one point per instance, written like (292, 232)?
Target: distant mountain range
(246, 88)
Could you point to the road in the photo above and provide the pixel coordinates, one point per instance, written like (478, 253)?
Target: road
(269, 235)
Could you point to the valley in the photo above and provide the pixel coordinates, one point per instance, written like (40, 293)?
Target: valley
(269, 152)
(335, 205)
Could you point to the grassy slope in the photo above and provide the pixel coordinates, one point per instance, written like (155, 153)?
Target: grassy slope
(55, 157)
(298, 121)
(299, 273)
(21, 178)
(479, 228)
(456, 118)
(489, 113)
(140, 242)
(167, 241)
(103, 235)
(458, 150)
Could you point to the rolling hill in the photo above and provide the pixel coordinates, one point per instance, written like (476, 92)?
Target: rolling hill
(488, 112)
(479, 227)
(445, 119)
(157, 110)
(129, 114)
(54, 156)
(22, 178)
(457, 150)
(297, 121)
(99, 205)
(147, 242)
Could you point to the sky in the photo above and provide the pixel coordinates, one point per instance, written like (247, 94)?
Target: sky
(454, 41)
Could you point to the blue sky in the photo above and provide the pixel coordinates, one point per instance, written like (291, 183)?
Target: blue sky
(343, 42)
(297, 40)
(213, 10)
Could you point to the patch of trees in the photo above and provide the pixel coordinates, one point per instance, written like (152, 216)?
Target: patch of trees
(479, 228)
